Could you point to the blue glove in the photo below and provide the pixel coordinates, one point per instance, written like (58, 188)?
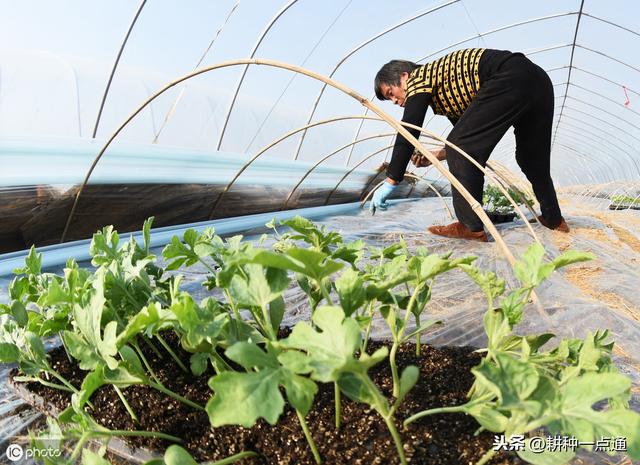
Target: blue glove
(380, 197)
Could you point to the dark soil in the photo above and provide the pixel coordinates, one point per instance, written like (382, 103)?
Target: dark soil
(363, 439)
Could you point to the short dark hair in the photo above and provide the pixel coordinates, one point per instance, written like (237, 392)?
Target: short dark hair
(390, 73)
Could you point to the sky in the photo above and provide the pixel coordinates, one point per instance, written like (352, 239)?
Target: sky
(56, 57)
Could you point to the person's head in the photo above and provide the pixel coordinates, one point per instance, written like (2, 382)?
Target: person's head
(390, 81)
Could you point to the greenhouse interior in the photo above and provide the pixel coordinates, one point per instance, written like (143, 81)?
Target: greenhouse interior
(302, 232)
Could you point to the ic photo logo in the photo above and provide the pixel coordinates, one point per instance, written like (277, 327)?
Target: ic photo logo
(14, 452)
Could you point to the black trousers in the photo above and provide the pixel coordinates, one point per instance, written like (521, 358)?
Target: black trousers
(518, 93)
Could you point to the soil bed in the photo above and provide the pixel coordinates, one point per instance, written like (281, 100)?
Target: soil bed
(363, 438)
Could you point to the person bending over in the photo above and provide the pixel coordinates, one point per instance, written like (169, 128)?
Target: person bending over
(483, 93)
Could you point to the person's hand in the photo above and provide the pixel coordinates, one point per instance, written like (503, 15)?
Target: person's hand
(379, 200)
(419, 160)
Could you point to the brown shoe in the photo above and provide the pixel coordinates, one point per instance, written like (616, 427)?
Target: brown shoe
(458, 230)
(562, 227)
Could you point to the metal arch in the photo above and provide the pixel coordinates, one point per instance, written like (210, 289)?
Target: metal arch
(597, 128)
(600, 110)
(583, 133)
(607, 123)
(598, 140)
(272, 144)
(615, 170)
(566, 90)
(246, 68)
(115, 66)
(611, 23)
(609, 57)
(572, 152)
(546, 49)
(499, 29)
(360, 46)
(608, 167)
(475, 206)
(609, 100)
(572, 149)
(173, 106)
(606, 79)
(578, 143)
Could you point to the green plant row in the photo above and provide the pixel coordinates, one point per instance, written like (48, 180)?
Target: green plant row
(621, 199)
(105, 315)
(496, 202)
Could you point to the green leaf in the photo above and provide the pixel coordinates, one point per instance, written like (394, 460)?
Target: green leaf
(33, 262)
(434, 265)
(249, 356)
(329, 347)
(198, 363)
(104, 246)
(545, 457)
(355, 387)
(36, 348)
(176, 455)
(581, 393)
(80, 350)
(351, 252)
(121, 377)
(9, 353)
(300, 392)
(198, 324)
(276, 312)
(488, 281)
(258, 289)
(497, 327)
(578, 418)
(571, 256)
(351, 291)
(527, 268)
(513, 305)
(488, 417)
(56, 294)
(19, 312)
(318, 238)
(149, 321)
(88, 321)
(92, 382)
(242, 398)
(512, 380)
(408, 379)
(91, 458)
(311, 263)
(295, 361)
(146, 234)
(132, 362)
